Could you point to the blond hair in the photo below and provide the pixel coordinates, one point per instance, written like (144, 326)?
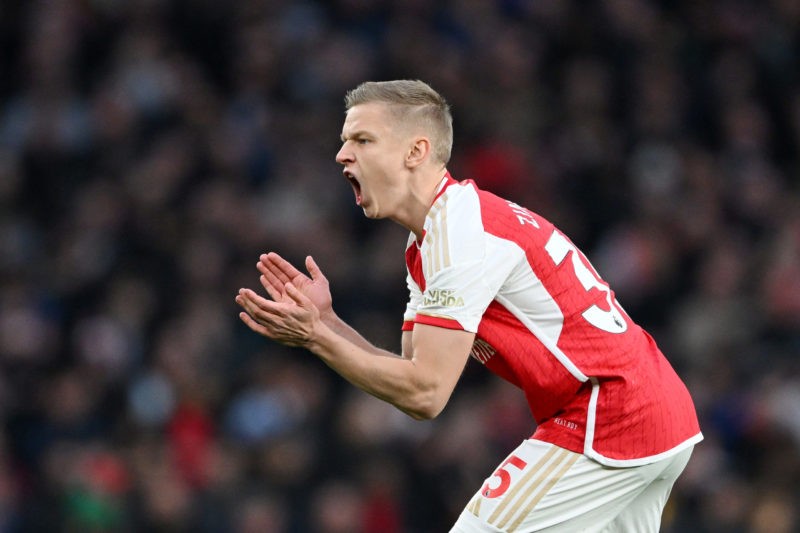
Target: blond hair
(411, 102)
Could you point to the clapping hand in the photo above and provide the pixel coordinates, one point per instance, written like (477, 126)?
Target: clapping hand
(298, 301)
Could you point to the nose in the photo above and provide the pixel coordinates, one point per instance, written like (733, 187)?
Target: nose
(345, 155)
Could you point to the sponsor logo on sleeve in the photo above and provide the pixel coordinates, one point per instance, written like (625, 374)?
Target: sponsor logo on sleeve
(442, 298)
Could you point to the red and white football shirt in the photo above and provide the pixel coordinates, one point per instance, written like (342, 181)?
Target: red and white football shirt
(596, 382)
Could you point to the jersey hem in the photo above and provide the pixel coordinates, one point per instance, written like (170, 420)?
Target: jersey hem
(624, 463)
(639, 461)
(588, 443)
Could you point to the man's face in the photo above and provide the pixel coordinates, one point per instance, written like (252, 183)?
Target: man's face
(373, 153)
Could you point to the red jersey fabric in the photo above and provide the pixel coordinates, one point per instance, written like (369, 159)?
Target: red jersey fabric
(595, 381)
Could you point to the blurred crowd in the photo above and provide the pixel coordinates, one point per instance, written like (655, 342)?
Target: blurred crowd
(150, 150)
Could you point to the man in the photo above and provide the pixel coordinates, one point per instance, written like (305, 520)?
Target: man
(491, 279)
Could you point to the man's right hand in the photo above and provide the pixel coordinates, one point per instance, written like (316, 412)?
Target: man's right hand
(276, 272)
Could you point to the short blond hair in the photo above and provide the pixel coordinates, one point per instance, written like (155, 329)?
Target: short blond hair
(411, 101)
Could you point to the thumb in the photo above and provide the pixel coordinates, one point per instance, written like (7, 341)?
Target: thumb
(313, 269)
(295, 294)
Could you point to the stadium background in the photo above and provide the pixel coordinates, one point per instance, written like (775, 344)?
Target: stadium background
(151, 149)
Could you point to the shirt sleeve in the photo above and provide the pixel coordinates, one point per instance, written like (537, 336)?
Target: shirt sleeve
(464, 268)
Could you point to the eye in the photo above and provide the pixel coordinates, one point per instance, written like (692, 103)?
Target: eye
(363, 141)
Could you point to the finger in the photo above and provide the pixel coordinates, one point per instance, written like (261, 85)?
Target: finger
(274, 280)
(277, 272)
(275, 275)
(299, 298)
(272, 325)
(256, 298)
(258, 306)
(271, 284)
(255, 326)
(314, 270)
(271, 279)
(245, 303)
(279, 266)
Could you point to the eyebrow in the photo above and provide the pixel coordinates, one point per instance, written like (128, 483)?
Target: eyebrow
(356, 135)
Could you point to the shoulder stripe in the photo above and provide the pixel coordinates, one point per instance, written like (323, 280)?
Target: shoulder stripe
(428, 263)
(445, 244)
(438, 250)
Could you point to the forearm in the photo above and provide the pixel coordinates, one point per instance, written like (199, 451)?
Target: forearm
(419, 383)
(383, 374)
(343, 329)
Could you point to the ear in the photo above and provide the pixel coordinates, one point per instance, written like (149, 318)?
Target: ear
(418, 152)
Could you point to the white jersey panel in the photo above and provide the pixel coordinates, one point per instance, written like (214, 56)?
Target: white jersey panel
(527, 298)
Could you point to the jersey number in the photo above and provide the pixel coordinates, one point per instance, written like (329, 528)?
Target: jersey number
(505, 477)
(612, 320)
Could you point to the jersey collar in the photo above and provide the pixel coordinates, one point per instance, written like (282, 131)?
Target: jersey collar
(447, 181)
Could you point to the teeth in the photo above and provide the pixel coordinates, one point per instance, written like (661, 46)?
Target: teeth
(351, 177)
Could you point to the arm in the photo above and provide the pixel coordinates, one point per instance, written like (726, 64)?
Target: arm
(419, 384)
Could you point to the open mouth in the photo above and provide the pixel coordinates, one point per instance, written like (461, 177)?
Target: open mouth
(355, 184)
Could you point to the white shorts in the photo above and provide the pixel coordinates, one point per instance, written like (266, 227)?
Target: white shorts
(542, 487)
